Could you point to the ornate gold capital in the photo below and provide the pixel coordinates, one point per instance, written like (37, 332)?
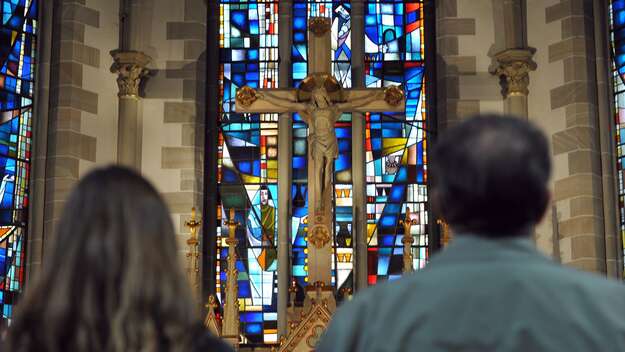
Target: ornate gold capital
(193, 224)
(319, 25)
(513, 67)
(130, 67)
(232, 242)
(393, 95)
(319, 234)
(246, 96)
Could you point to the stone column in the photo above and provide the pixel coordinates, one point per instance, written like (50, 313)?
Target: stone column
(512, 68)
(514, 62)
(568, 112)
(514, 25)
(35, 237)
(285, 151)
(130, 67)
(359, 183)
(209, 242)
(614, 266)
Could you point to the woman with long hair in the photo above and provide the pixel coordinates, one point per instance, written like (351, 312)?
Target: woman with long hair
(112, 280)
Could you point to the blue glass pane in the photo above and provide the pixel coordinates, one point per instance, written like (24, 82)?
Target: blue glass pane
(340, 56)
(17, 58)
(617, 33)
(248, 163)
(396, 165)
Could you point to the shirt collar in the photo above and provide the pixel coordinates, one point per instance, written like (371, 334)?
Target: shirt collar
(472, 247)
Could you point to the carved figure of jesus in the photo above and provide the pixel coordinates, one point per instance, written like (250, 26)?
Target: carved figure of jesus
(320, 100)
(321, 113)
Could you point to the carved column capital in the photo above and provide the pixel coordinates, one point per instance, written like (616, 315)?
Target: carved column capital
(130, 67)
(513, 67)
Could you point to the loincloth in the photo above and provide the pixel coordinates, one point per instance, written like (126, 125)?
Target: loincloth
(325, 146)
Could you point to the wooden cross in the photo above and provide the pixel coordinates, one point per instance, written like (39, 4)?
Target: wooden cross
(320, 100)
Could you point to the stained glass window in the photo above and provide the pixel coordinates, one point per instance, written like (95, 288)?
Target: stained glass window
(617, 15)
(395, 143)
(247, 148)
(17, 56)
(248, 163)
(342, 265)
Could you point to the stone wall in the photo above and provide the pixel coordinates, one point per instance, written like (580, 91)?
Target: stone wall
(465, 37)
(173, 106)
(549, 74)
(79, 104)
(564, 101)
(78, 129)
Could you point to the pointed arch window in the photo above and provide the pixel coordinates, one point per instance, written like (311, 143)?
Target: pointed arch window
(396, 144)
(617, 39)
(248, 163)
(18, 42)
(396, 160)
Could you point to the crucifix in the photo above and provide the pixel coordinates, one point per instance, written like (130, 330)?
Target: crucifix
(320, 100)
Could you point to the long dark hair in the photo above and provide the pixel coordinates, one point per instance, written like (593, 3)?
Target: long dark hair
(112, 280)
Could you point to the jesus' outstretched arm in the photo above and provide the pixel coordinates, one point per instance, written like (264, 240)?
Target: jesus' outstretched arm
(281, 102)
(360, 101)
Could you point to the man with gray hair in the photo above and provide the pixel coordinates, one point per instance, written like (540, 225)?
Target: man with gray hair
(490, 289)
